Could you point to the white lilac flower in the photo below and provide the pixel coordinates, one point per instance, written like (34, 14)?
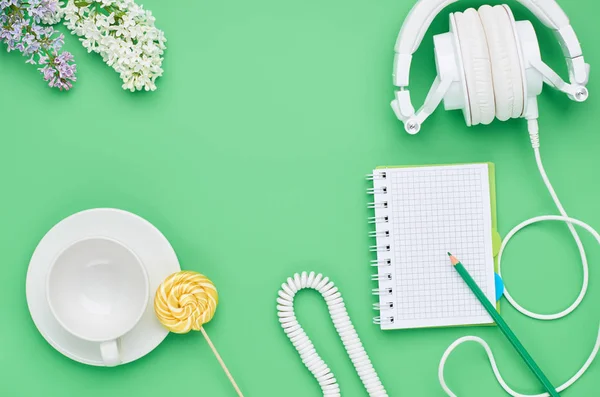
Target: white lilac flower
(124, 34)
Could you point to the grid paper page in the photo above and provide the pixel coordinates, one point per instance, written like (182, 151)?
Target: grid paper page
(433, 211)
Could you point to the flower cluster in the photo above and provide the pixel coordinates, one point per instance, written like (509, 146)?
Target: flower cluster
(123, 33)
(23, 28)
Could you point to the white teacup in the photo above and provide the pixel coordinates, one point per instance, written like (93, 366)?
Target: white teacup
(98, 290)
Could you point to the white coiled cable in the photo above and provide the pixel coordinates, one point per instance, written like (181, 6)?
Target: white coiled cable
(343, 325)
(535, 142)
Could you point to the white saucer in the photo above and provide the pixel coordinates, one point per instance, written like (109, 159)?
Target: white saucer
(140, 236)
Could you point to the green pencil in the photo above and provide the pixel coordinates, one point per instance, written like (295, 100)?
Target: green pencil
(503, 326)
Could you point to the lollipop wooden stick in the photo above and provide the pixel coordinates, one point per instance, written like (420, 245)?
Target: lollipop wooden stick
(214, 349)
(186, 301)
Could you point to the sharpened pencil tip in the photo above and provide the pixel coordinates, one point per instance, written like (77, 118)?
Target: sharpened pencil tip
(449, 254)
(453, 260)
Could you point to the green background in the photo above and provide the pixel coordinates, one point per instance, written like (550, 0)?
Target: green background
(250, 157)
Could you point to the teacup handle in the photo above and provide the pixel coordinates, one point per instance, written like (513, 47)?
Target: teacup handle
(110, 353)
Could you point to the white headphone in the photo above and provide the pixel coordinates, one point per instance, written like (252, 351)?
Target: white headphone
(488, 65)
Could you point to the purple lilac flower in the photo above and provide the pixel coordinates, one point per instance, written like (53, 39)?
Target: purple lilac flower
(7, 3)
(59, 72)
(39, 9)
(22, 29)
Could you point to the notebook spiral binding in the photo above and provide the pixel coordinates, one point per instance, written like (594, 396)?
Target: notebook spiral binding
(381, 277)
(379, 306)
(383, 320)
(381, 263)
(382, 291)
(382, 247)
(377, 176)
(383, 204)
(381, 219)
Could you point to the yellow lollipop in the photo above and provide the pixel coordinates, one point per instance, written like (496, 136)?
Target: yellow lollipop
(186, 301)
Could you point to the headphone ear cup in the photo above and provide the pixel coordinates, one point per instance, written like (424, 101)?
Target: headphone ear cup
(507, 71)
(477, 66)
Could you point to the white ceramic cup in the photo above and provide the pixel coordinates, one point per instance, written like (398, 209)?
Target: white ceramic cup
(97, 289)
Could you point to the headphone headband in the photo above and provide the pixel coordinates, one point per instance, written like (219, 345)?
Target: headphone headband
(424, 12)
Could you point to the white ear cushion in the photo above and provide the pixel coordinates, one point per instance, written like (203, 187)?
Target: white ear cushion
(504, 57)
(477, 66)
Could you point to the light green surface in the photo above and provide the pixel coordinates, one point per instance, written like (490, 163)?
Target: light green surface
(251, 159)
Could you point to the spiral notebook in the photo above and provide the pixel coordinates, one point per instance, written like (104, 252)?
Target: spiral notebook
(421, 214)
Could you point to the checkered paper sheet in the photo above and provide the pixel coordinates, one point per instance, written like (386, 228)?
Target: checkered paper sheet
(432, 211)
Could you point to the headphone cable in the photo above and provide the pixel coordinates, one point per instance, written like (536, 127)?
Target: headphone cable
(563, 217)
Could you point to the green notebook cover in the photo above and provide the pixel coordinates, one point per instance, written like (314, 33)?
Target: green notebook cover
(496, 239)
